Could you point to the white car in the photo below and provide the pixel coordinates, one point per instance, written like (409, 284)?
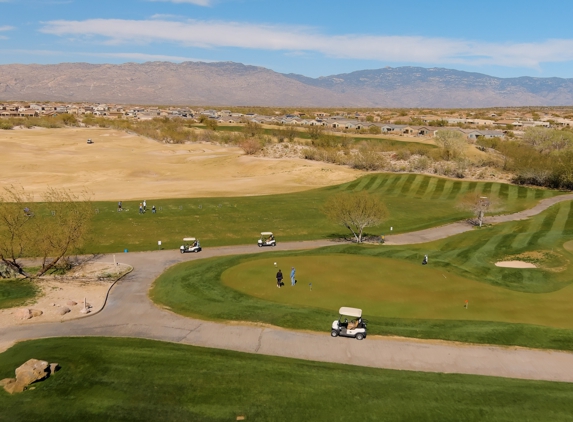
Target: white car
(191, 245)
(355, 328)
(267, 239)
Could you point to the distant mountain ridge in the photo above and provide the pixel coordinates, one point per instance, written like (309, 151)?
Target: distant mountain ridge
(229, 83)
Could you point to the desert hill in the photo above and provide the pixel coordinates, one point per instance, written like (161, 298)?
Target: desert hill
(228, 83)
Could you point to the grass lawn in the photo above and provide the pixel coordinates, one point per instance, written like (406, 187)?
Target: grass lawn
(16, 292)
(143, 380)
(400, 296)
(392, 288)
(414, 202)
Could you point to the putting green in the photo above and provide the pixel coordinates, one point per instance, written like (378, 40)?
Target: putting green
(394, 288)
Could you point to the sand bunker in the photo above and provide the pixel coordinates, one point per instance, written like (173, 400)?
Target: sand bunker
(568, 246)
(90, 281)
(515, 264)
(122, 166)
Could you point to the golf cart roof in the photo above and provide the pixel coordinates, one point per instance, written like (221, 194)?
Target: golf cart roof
(353, 312)
(266, 233)
(189, 239)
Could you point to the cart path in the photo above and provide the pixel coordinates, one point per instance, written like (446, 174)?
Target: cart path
(130, 313)
(436, 233)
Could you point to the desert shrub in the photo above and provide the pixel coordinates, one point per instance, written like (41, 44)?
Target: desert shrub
(251, 146)
(310, 154)
(403, 154)
(451, 142)
(421, 163)
(6, 125)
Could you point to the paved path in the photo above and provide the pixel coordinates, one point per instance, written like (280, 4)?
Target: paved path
(130, 313)
(448, 230)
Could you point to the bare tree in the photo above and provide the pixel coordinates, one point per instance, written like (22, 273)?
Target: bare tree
(479, 205)
(355, 212)
(452, 142)
(51, 230)
(16, 226)
(65, 229)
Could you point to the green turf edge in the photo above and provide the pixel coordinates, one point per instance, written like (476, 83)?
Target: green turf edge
(293, 216)
(195, 290)
(119, 379)
(15, 293)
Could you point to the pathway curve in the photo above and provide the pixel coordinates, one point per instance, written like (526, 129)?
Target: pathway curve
(436, 233)
(130, 313)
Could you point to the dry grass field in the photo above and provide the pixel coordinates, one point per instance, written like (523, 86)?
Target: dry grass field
(127, 166)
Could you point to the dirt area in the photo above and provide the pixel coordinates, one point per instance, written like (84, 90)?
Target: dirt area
(568, 246)
(90, 281)
(546, 260)
(122, 166)
(515, 264)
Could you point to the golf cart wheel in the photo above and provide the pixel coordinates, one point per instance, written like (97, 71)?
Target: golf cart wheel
(274, 244)
(260, 245)
(182, 251)
(359, 336)
(334, 333)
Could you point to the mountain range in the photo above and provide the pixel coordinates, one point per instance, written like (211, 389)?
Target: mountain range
(235, 84)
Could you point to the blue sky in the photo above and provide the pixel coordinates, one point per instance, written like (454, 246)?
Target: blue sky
(313, 38)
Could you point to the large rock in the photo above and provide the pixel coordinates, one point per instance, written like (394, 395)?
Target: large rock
(23, 313)
(32, 371)
(64, 310)
(6, 381)
(28, 373)
(71, 303)
(36, 312)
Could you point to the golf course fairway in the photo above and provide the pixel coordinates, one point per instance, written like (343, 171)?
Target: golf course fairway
(122, 379)
(393, 288)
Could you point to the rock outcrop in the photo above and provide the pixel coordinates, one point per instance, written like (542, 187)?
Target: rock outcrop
(31, 371)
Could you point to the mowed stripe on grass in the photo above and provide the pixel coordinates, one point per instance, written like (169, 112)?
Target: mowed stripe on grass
(414, 202)
(512, 306)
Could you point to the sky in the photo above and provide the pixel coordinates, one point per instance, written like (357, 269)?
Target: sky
(313, 38)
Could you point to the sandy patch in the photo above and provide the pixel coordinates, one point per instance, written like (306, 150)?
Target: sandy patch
(568, 246)
(515, 264)
(90, 281)
(121, 166)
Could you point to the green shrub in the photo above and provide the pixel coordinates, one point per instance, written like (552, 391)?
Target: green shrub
(6, 125)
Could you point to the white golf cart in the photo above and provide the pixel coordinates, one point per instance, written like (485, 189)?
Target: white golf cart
(191, 245)
(267, 239)
(90, 141)
(355, 328)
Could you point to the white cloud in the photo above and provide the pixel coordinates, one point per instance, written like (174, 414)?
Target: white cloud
(6, 28)
(195, 2)
(413, 49)
(126, 55)
(146, 57)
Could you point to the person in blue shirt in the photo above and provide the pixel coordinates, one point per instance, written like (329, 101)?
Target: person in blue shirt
(292, 280)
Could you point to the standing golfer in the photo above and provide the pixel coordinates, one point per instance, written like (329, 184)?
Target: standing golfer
(292, 273)
(279, 279)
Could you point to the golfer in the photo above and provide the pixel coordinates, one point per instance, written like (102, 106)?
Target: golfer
(279, 279)
(292, 273)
